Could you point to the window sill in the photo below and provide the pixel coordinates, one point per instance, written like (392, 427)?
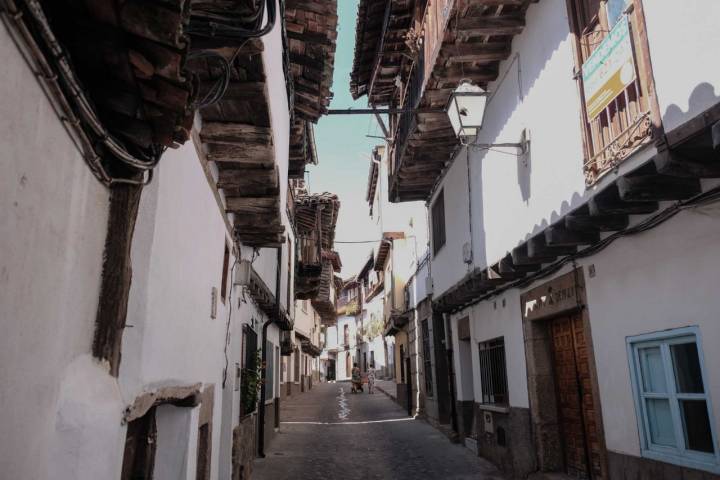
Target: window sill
(494, 408)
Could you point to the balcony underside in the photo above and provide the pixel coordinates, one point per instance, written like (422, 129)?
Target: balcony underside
(381, 54)
(302, 148)
(307, 281)
(237, 137)
(478, 37)
(324, 303)
(672, 175)
(312, 32)
(118, 78)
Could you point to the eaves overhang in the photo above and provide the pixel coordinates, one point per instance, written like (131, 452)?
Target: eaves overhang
(627, 205)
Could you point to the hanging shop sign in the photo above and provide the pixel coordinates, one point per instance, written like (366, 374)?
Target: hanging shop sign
(609, 70)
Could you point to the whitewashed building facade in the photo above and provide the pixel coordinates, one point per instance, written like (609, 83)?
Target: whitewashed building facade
(572, 240)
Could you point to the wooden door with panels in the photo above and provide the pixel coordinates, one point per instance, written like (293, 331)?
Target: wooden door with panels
(575, 397)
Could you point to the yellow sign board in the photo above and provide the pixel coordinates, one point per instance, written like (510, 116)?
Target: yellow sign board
(609, 70)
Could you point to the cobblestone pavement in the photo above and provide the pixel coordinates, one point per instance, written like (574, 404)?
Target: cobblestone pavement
(330, 433)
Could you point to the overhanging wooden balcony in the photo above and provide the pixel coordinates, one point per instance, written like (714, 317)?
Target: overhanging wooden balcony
(117, 76)
(315, 219)
(382, 49)
(453, 40)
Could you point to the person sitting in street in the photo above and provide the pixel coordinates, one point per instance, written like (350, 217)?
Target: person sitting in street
(356, 379)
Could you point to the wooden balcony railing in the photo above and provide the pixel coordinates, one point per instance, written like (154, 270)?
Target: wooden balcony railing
(616, 120)
(308, 250)
(404, 124)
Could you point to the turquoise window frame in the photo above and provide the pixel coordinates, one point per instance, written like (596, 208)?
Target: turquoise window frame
(678, 455)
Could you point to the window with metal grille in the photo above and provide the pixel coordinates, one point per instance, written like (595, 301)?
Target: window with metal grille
(493, 372)
(438, 222)
(427, 359)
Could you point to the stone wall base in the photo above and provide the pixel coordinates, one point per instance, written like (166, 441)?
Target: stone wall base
(465, 418)
(509, 443)
(243, 452)
(401, 394)
(269, 423)
(628, 467)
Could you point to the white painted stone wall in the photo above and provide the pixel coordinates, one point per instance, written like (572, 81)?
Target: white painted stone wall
(407, 217)
(663, 279)
(681, 36)
(53, 220)
(500, 317)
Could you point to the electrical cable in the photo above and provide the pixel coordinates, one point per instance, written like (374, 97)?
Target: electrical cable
(702, 199)
(229, 317)
(213, 24)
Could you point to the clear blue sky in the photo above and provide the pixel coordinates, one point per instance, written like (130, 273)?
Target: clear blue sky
(344, 151)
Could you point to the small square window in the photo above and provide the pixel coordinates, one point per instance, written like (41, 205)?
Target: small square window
(672, 403)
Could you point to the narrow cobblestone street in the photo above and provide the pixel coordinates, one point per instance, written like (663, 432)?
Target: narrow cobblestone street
(359, 436)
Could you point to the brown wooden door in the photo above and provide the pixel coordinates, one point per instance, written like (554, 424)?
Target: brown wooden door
(576, 405)
(140, 445)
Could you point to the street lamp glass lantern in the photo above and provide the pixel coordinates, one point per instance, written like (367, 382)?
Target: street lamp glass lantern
(466, 109)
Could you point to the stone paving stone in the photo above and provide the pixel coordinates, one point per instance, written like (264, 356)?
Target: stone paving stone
(375, 440)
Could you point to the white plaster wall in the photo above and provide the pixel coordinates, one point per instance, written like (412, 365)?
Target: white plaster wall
(176, 455)
(407, 217)
(682, 38)
(491, 319)
(447, 264)
(418, 283)
(53, 220)
(280, 121)
(177, 259)
(304, 320)
(516, 196)
(662, 279)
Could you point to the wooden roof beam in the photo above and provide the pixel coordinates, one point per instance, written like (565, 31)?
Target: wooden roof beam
(502, 25)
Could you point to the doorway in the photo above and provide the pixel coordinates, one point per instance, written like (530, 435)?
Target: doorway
(575, 400)
(562, 382)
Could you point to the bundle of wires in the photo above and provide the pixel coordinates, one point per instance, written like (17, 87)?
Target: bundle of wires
(233, 25)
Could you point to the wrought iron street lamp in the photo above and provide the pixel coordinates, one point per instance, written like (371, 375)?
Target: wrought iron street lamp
(466, 109)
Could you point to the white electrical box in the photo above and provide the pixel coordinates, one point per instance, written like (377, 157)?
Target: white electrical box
(428, 286)
(488, 422)
(242, 274)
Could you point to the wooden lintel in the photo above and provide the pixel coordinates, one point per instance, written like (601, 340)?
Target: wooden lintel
(686, 165)
(537, 247)
(608, 202)
(657, 188)
(596, 223)
(559, 236)
(512, 24)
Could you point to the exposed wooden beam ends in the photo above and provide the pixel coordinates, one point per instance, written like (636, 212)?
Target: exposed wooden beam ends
(312, 34)
(635, 193)
(477, 38)
(122, 64)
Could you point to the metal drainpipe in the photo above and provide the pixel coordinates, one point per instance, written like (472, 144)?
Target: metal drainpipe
(451, 375)
(263, 357)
